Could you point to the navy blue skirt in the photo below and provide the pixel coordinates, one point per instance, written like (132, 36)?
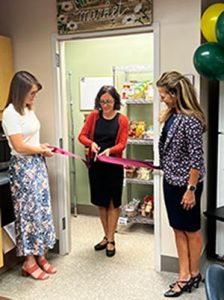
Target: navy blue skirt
(179, 218)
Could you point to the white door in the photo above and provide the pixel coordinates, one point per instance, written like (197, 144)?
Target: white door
(220, 173)
(63, 222)
(220, 196)
(60, 79)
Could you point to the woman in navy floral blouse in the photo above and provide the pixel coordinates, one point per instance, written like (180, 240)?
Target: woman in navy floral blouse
(181, 158)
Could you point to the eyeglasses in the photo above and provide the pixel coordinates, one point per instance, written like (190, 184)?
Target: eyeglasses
(106, 102)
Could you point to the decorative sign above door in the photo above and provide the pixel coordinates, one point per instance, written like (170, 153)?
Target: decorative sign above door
(96, 15)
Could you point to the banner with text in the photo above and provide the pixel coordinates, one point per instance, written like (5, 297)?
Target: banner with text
(95, 15)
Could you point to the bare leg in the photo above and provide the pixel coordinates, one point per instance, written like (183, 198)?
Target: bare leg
(195, 242)
(103, 213)
(30, 260)
(113, 215)
(183, 254)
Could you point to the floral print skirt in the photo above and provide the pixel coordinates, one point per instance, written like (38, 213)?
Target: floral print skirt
(32, 207)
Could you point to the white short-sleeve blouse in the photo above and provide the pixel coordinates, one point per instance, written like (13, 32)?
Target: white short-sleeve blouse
(28, 125)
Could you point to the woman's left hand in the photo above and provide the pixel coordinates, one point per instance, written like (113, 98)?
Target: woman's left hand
(188, 200)
(106, 152)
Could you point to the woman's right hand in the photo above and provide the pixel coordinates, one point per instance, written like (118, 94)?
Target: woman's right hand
(46, 151)
(95, 148)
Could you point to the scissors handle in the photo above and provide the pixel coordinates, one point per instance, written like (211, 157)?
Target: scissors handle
(95, 156)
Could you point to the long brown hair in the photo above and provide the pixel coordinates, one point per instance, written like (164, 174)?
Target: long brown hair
(21, 84)
(177, 84)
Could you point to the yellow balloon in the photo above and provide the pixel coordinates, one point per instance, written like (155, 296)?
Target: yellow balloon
(209, 19)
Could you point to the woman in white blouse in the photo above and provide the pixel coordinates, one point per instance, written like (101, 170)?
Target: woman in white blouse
(28, 177)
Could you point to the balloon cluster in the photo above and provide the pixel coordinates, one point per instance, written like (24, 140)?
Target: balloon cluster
(209, 57)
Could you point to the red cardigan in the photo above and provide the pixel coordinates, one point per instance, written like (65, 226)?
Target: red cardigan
(87, 133)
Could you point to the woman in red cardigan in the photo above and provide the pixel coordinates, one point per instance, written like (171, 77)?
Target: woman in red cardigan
(105, 132)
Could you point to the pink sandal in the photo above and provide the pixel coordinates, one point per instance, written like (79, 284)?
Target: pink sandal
(30, 271)
(44, 264)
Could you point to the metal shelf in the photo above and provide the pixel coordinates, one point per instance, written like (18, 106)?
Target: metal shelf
(143, 220)
(138, 181)
(134, 68)
(140, 141)
(137, 219)
(137, 101)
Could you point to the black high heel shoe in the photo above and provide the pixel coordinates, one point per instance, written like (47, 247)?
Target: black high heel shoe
(196, 280)
(110, 253)
(186, 288)
(101, 246)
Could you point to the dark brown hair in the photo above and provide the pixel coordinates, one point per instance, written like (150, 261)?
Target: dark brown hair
(21, 84)
(113, 92)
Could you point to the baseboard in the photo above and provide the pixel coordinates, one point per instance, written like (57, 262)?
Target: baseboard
(85, 209)
(11, 260)
(203, 262)
(169, 264)
(56, 247)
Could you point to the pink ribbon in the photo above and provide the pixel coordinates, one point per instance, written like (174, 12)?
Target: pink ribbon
(67, 153)
(127, 162)
(108, 159)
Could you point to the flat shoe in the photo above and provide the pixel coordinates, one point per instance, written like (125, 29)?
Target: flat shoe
(110, 253)
(101, 246)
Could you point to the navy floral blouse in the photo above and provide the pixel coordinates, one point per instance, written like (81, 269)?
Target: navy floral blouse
(182, 149)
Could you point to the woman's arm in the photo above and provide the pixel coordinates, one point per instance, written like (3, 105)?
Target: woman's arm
(195, 147)
(84, 136)
(24, 148)
(188, 200)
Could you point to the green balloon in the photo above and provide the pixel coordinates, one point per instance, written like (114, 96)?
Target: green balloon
(209, 61)
(219, 29)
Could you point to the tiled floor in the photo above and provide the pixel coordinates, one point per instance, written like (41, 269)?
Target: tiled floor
(88, 275)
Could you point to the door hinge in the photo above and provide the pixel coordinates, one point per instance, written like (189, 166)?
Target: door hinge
(63, 223)
(57, 58)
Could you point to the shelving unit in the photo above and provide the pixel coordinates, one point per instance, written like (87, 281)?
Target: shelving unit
(138, 181)
(140, 141)
(138, 101)
(137, 148)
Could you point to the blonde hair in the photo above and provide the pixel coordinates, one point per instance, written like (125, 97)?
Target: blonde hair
(177, 84)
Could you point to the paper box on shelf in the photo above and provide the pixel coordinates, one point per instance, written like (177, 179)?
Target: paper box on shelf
(8, 237)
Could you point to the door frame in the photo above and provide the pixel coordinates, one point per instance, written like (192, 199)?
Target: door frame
(61, 114)
(63, 218)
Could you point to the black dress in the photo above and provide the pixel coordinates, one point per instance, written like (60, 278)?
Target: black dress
(106, 180)
(179, 218)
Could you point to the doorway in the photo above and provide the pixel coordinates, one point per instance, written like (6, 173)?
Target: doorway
(95, 56)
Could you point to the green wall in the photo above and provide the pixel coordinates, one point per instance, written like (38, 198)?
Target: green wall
(95, 58)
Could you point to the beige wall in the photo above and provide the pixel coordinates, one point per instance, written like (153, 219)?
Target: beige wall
(30, 24)
(179, 37)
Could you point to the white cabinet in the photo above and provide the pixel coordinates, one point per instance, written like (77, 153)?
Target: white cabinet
(134, 83)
